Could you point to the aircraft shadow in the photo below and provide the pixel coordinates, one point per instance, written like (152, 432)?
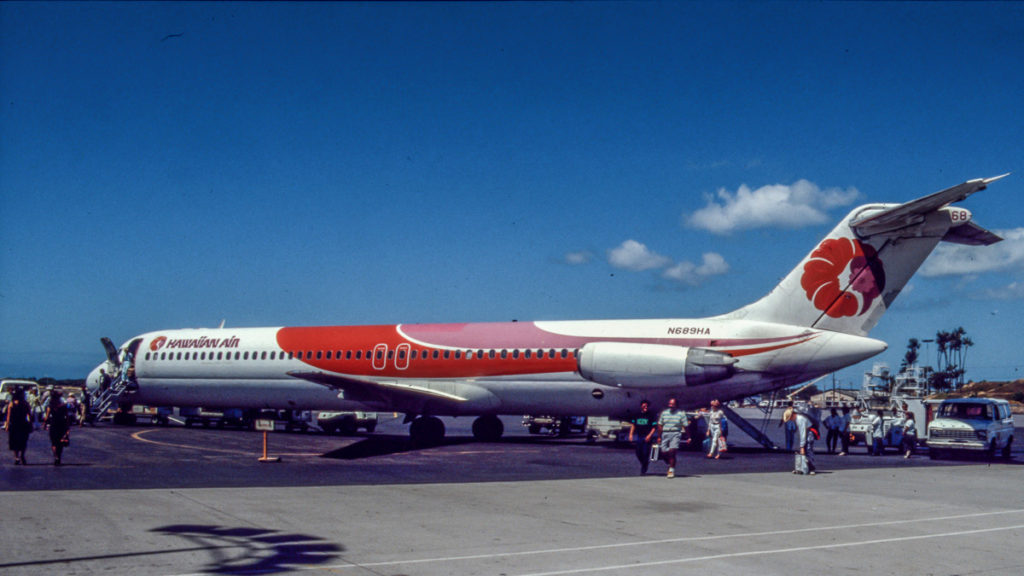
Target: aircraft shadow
(231, 550)
(246, 550)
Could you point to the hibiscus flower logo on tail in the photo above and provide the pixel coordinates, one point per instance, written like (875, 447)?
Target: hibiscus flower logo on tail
(824, 277)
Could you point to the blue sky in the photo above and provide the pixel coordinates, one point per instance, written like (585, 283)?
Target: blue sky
(172, 165)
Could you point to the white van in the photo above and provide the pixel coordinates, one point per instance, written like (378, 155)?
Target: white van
(971, 424)
(7, 386)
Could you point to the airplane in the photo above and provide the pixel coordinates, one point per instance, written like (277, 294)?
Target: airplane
(814, 322)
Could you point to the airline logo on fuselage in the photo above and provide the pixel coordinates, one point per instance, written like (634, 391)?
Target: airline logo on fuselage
(824, 286)
(201, 342)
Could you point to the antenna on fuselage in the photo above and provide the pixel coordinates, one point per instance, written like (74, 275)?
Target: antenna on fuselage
(222, 322)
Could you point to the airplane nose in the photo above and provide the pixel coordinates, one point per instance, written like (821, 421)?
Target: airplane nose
(92, 381)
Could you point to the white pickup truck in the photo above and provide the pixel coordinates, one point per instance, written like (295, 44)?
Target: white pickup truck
(971, 424)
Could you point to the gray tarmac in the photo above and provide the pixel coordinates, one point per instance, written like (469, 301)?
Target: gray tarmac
(173, 501)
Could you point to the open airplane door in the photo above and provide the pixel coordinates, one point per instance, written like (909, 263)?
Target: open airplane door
(112, 355)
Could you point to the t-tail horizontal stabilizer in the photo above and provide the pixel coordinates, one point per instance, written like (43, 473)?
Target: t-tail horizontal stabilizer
(912, 213)
(852, 276)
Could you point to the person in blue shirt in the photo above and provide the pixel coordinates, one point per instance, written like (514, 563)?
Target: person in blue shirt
(641, 430)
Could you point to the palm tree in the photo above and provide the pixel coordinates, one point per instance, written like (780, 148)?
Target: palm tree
(910, 358)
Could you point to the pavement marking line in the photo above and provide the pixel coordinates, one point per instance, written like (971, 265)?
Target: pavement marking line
(776, 551)
(138, 436)
(664, 541)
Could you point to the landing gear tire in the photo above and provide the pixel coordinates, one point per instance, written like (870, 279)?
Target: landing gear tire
(488, 428)
(426, 431)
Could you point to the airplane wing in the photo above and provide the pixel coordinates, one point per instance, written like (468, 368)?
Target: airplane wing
(910, 213)
(388, 392)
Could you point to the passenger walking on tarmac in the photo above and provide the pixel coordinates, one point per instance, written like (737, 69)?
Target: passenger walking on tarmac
(715, 418)
(877, 433)
(672, 425)
(85, 410)
(803, 459)
(57, 421)
(790, 428)
(834, 425)
(845, 430)
(18, 424)
(642, 428)
(72, 405)
(909, 434)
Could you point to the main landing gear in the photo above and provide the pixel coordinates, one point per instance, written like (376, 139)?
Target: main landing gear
(429, 430)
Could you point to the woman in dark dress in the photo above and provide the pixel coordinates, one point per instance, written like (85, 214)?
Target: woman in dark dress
(57, 421)
(18, 425)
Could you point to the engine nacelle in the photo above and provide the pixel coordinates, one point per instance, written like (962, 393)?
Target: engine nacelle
(653, 365)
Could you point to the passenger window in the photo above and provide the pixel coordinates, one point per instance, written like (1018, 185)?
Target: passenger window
(515, 354)
(401, 354)
(526, 354)
(263, 356)
(348, 355)
(328, 355)
(458, 354)
(220, 355)
(147, 355)
(179, 355)
(391, 354)
(319, 354)
(447, 354)
(504, 354)
(491, 354)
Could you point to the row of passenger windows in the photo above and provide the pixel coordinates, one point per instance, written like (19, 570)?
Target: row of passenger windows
(378, 354)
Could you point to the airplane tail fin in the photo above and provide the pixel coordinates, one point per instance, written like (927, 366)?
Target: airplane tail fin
(852, 276)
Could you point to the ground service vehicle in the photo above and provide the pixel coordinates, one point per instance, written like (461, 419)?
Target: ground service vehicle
(971, 425)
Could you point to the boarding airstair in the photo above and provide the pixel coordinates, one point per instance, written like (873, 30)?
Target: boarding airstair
(104, 400)
(121, 385)
(758, 435)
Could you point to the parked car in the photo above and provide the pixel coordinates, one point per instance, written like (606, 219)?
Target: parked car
(971, 425)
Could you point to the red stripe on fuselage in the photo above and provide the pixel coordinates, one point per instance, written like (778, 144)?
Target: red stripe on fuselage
(316, 343)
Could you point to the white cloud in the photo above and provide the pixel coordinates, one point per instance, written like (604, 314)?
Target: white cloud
(689, 273)
(577, 258)
(632, 255)
(1012, 291)
(801, 204)
(959, 260)
(713, 265)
